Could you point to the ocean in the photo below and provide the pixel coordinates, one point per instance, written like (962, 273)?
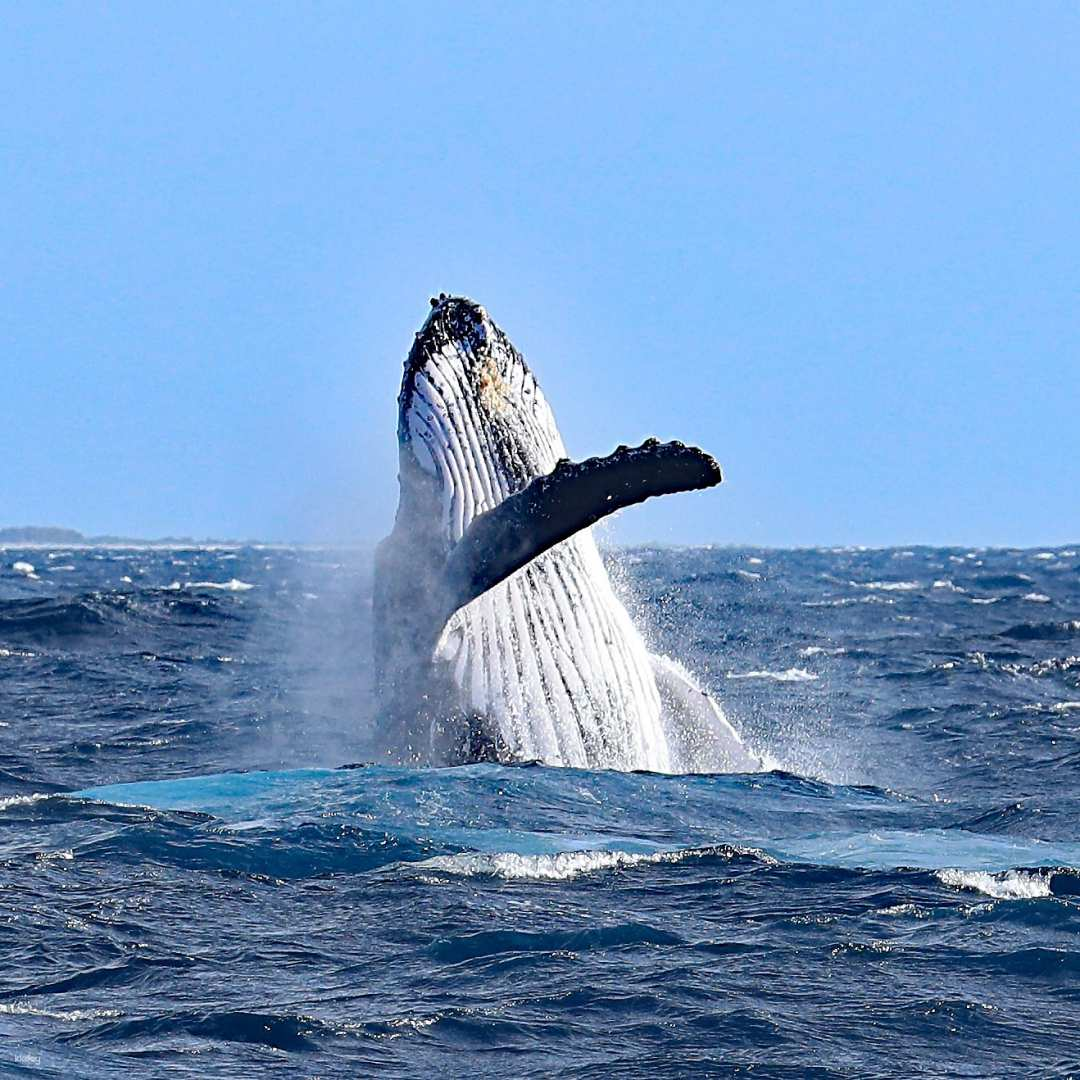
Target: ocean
(192, 885)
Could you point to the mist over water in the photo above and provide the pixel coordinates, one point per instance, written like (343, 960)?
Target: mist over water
(189, 885)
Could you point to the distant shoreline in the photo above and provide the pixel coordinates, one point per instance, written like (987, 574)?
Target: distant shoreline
(35, 537)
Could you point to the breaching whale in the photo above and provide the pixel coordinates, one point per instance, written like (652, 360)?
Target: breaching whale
(497, 633)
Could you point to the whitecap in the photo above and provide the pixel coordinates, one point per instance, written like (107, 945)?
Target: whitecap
(904, 909)
(66, 855)
(844, 601)
(24, 568)
(234, 585)
(1011, 885)
(820, 650)
(793, 674)
(749, 575)
(1044, 556)
(22, 1008)
(566, 865)
(947, 583)
(21, 800)
(887, 586)
(1036, 598)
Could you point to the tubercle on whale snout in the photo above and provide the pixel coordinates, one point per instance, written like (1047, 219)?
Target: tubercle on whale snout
(454, 321)
(455, 318)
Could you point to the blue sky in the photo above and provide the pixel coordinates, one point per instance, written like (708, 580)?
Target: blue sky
(835, 244)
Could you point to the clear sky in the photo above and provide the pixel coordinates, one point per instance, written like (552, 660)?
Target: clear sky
(836, 244)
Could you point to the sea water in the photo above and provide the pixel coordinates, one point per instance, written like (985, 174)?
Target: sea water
(191, 886)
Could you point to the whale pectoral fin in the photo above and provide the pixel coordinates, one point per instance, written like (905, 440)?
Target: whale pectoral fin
(572, 497)
(699, 735)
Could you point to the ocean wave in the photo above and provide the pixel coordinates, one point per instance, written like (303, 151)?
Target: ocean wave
(290, 1032)
(846, 601)
(792, 674)
(1045, 631)
(22, 800)
(887, 586)
(1010, 885)
(22, 1008)
(485, 943)
(949, 584)
(233, 585)
(1003, 581)
(45, 618)
(567, 865)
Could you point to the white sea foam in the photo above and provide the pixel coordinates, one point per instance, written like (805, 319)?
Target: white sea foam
(22, 1008)
(753, 560)
(749, 575)
(1045, 556)
(66, 855)
(985, 599)
(821, 650)
(793, 674)
(887, 586)
(234, 585)
(1037, 598)
(24, 568)
(1011, 885)
(844, 601)
(565, 865)
(904, 909)
(21, 800)
(946, 583)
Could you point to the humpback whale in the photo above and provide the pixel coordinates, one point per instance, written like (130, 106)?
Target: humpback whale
(497, 633)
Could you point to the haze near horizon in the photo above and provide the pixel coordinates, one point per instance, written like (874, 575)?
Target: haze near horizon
(833, 245)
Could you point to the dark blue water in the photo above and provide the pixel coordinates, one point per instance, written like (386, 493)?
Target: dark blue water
(898, 898)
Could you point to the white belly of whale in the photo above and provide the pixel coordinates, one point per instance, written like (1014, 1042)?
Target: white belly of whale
(552, 657)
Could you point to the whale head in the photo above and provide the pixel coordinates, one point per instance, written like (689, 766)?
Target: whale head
(473, 424)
